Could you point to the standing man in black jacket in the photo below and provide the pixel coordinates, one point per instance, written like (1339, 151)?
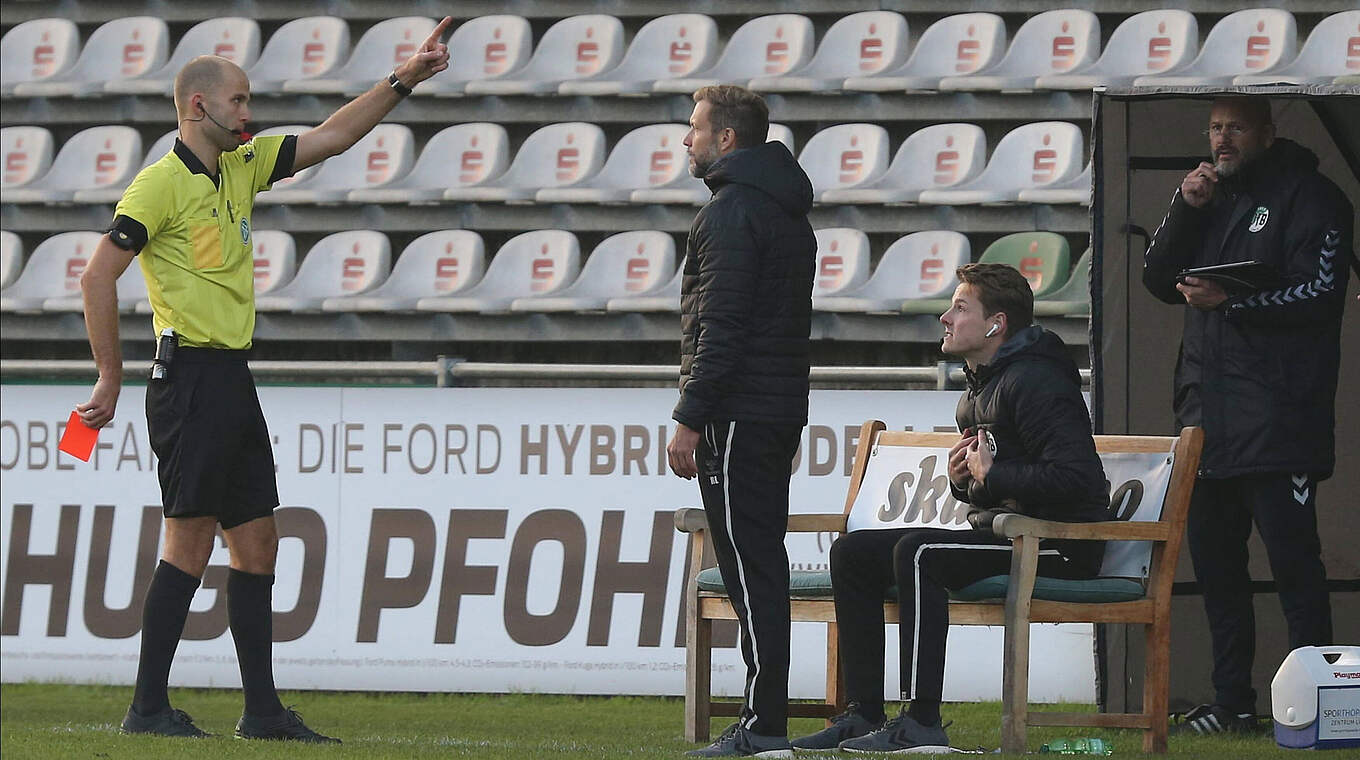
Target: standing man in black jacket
(1258, 371)
(1027, 448)
(746, 314)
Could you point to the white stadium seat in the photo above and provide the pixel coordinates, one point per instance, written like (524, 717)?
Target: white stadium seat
(463, 155)
(340, 264)
(486, 47)
(287, 182)
(1255, 41)
(1332, 50)
(383, 47)
(540, 262)
(93, 158)
(842, 261)
(36, 50)
(625, 264)
(52, 271)
(1075, 190)
(11, 258)
(556, 155)
(860, 44)
(953, 46)
(113, 193)
(668, 47)
(27, 156)
(1052, 42)
(275, 257)
(846, 155)
(234, 38)
(130, 286)
(647, 157)
(1031, 155)
(665, 298)
(918, 266)
(764, 46)
(119, 49)
(383, 154)
(573, 48)
(686, 188)
(303, 48)
(438, 263)
(938, 156)
(1145, 43)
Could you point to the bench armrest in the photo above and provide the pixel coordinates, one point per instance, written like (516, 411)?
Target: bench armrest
(693, 520)
(1012, 525)
(690, 520)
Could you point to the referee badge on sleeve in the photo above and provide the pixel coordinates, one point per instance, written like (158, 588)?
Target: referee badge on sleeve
(245, 231)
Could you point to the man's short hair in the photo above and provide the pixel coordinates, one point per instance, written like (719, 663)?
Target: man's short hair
(204, 73)
(1001, 287)
(1254, 107)
(739, 108)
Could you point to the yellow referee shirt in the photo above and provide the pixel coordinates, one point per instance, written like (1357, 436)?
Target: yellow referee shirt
(194, 241)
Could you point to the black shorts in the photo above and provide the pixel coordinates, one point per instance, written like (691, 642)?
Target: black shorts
(215, 454)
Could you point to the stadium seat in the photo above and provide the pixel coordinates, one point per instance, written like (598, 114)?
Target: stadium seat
(842, 260)
(843, 156)
(303, 48)
(27, 155)
(664, 48)
(1146, 43)
(382, 155)
(1074, 298)
(918, 266)
(1075, 190)
(537, 262)
(665, 298)
(860, 44)
(1246, 42)
(937, 156)
(119, 49)
(36, 50)
(339, 264)
(479, 151)
(686, 188)
(647, 157)
(96, 157)
(486, 47)
(383, 47)
(764, 46)
(1042, 257)
(573, 48)
(1031, 155)
(130, 286)
(625, 264)
(287, 182)
(275, 260)
(113, 193)
(952, 46)
(435, 264)
(11, 258)
(234, 38)
(1332, 50)
(555, 155)
(52, 271)
(1050, 43)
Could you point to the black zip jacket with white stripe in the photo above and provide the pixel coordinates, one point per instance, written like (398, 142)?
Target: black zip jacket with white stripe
(1259, 373)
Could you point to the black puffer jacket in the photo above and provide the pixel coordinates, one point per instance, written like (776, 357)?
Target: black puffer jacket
(746, 297)
(1259, 374)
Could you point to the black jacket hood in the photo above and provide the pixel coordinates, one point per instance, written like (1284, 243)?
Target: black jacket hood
(1033, 343)
(769, 168)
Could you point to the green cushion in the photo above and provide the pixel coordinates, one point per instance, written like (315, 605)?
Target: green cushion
(801, 582)
(1056, 590)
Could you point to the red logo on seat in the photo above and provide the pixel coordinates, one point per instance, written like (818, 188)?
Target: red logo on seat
(225, 50)
(44, 59)
(777, 53)
(1045, 163)
(946, 165)
(588, 54)
(968, 54)
(1353, 52)
(681, 57)
(445, 272)
(1032, 267)
(352, 272)
(541, 273)
(16, 166)
(639, 267)
(134, 58)
(832, 270)
(1064, 50)
(568, 163)
(662, 167)
(471, 167)
(105, 166)
(496, 56)
(379, 167)
(852, 163)
(261, 266)
(314, 54)
(1159, 50)
(1258, 48)
(75, 266)
(932, 272)
(870, 52)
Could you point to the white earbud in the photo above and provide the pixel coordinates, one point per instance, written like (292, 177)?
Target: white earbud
(992, 331)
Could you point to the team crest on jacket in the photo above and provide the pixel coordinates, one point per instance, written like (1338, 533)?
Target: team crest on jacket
(1259, 219)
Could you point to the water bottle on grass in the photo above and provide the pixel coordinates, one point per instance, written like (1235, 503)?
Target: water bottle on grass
(1098, 747)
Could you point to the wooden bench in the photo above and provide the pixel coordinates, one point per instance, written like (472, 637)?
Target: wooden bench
(994, 601)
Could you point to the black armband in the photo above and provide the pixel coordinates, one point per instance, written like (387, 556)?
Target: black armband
(127, 233)
(283, 163)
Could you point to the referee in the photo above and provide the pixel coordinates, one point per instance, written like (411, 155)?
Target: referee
(189, 216)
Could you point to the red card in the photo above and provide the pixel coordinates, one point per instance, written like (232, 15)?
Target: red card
(78, 439)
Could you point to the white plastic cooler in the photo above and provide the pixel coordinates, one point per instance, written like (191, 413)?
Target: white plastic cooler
(1315, 698)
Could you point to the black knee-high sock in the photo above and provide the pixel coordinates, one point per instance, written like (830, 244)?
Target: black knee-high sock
(163, 613)
(251, 617)
(925, 711)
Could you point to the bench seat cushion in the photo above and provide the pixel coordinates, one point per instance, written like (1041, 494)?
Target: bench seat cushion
(817, 583)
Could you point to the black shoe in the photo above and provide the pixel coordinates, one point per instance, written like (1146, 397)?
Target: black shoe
(167, 722)
(848, 725)
(286, 726)
(736, 741)
(1216, 719)
(901, 735)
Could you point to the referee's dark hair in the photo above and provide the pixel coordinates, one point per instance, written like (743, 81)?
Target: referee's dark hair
(1001, 287)
(738, 108)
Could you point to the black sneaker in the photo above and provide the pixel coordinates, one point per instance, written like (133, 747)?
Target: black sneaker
(286, 726)
(167, 722)
(901, 734)
(736, 741)
(848, 725)
(1216, 719)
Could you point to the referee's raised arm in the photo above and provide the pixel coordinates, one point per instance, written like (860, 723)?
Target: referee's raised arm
(356, 118)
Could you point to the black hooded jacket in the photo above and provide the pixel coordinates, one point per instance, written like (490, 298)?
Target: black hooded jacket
(1259, 374)
(746, 293)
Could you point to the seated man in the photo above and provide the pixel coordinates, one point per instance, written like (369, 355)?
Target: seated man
(1026, 447)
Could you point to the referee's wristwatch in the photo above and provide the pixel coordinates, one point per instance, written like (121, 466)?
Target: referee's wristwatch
(396, 84)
